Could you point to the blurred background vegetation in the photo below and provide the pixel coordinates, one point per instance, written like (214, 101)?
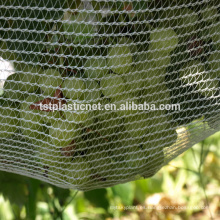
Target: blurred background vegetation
(187, 188)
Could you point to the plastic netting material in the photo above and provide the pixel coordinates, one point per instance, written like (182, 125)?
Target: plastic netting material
(161, 53)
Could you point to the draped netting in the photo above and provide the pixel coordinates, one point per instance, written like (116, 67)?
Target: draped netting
(96, 93)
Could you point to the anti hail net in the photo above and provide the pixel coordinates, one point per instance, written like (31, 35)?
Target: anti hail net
(96, 93)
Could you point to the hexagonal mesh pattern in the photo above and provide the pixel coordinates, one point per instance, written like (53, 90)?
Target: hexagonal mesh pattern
(95, 93)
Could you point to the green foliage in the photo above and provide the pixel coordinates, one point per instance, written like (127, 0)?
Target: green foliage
(33, 186)
(102, 200)
(125, 192)
(140, 5)
(14, 188)
(22, 38)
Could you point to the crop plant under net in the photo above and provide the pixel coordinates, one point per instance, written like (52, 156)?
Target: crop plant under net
(96, 93)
